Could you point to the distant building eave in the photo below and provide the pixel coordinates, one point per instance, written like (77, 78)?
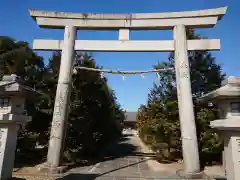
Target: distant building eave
(131, 117)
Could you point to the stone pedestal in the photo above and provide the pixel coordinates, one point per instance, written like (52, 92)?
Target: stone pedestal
(230, 130)
(9, 124)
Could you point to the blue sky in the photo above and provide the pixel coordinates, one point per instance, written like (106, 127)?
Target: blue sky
(16, 22)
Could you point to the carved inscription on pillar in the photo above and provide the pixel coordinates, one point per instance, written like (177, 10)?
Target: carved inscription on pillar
(60, 102)
(238, 150)
(184, 72)
(2, 146)
(3, 137)
(55, 126)
(60, 106)
(183, 65)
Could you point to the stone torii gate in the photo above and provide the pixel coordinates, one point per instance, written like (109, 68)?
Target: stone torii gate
(176, 21)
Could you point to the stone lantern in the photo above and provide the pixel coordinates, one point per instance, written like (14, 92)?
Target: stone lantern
(227, 99)
(12, 101)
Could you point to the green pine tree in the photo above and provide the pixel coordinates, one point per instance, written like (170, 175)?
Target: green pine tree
(95, 116)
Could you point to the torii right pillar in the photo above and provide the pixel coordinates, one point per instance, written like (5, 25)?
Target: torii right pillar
(185, 104)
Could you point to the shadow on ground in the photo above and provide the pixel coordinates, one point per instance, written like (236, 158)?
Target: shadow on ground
(31, 159)
(97, 176)
(118, 149)
(79, 176)
(122, 148)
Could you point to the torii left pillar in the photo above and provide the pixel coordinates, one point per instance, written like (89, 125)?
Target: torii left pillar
(60, 115)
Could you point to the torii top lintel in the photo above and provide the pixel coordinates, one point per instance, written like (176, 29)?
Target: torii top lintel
(194, 19)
